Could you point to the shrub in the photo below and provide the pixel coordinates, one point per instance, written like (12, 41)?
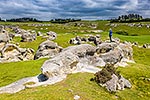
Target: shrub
(105, 74)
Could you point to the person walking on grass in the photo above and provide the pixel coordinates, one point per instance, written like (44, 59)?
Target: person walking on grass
(110, 34)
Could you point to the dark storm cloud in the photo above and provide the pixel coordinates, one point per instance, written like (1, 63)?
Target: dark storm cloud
(86, 9)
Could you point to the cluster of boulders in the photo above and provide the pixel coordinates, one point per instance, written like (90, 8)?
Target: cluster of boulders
(147, 45)
(78, 58)
(39, 25)
(139, 25)
(90, 25)
(30, 35)
(12, 53)
(26, 36)
(90, 38)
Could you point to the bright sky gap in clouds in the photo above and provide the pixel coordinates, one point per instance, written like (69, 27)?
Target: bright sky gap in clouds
(84, 9)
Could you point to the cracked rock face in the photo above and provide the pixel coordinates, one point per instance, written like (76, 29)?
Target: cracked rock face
(66, 61)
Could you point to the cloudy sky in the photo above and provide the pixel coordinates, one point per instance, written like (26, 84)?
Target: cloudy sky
(85, 9)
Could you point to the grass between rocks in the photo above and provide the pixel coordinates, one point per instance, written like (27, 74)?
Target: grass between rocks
(79, 84)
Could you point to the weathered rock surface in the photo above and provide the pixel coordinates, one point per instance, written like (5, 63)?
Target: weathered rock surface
(47, 49)
(52, 35)
(112, 57)
(113, 53)
(106, 47)
(12, 53)
(66, 61)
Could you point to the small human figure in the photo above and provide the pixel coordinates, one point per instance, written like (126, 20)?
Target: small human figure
(110, 34)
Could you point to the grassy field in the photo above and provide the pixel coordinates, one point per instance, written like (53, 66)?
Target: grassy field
(79, 84)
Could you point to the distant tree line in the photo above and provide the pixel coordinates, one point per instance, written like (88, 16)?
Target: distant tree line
(25, 19)
(61, 21)
(130, 18)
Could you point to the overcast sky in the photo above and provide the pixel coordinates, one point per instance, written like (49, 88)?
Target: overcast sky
(84, 9)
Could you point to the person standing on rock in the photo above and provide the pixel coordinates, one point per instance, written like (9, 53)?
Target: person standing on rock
(110, 34)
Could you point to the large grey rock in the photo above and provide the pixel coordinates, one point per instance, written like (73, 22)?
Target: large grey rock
(111, 85)
(112, 57)
(66, 61)
(127, 50)
(47, 49)
(81, 50)
(106, 47)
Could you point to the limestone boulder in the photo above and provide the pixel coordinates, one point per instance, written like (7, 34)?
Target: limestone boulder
(4, 37)
(106, 47)
(1, 28)
(112, 80)
(52, 35)
(116, 83)
(39, 33)
(127, 50)
(27, 37)
(12, 53)
(47, 49)
(76, 40)
(112, 57)
(66, 61)
(11, 36)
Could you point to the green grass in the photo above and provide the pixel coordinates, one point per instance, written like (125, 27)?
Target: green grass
(138, 73)
(140, 39)
(34, 44)
(10, 72)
